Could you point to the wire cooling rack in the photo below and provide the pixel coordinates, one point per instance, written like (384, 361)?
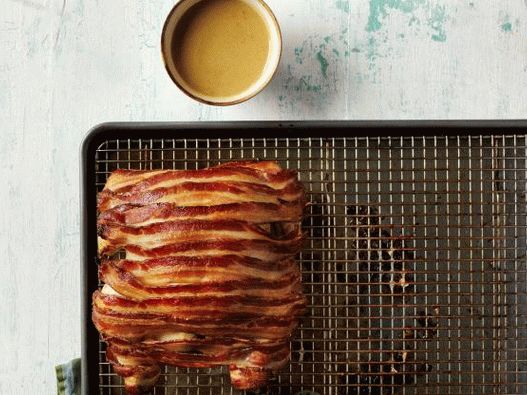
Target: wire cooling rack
(414, 265)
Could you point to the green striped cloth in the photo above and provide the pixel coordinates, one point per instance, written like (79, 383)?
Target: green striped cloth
(69, 378)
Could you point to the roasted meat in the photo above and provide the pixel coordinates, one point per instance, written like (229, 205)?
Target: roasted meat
(198, 270)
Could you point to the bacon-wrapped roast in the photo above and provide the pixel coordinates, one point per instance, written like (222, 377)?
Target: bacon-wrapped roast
(209, 276)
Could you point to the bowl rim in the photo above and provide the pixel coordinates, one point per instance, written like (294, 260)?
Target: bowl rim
(165, 56)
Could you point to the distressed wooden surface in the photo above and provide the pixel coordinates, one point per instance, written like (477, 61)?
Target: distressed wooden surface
(66, 65)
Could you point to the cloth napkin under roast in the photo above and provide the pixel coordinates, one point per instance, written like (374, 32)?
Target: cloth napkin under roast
(69, 379)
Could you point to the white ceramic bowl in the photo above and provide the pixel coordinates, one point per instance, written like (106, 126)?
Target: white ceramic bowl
(275, 51)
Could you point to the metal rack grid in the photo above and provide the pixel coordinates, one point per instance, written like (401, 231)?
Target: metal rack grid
(414, 266)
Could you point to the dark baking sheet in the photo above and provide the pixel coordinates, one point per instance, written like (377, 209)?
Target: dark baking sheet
(381, 138)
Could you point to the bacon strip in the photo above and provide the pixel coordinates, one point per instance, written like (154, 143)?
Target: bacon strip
(202, 193)
(163, 233)
(266, 250)
(264, 173)
(209, 276)
(254, 213)
(131, 286)
(186, 305)
(187, 269)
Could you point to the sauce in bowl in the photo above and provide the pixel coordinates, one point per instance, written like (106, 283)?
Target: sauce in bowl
(223, 51)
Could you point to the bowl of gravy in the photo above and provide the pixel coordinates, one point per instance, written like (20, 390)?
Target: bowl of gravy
(221, 52)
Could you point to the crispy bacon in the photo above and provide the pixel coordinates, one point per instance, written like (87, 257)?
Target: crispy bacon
(169, 271)
(229, 183)
(265, 173)
(194, 305)
(202, 193)
(189, 269)
(209, 276)
(266, 250)
(131, 286)
(163, 233)
(255, 213)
